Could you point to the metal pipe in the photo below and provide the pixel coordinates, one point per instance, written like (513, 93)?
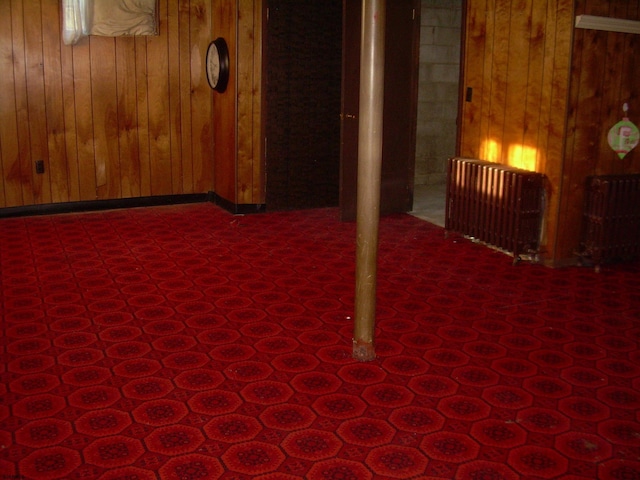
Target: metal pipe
(369, 167)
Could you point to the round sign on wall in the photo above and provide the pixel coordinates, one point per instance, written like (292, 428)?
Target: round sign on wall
(624, 135)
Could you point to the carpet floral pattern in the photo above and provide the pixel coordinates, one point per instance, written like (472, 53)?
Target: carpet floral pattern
(186, 343)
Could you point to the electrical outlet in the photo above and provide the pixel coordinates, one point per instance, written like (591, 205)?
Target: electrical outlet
(39, 166)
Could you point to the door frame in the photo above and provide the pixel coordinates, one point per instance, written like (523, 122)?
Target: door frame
(397, 183)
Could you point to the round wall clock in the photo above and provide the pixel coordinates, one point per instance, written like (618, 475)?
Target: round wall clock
(218, 65)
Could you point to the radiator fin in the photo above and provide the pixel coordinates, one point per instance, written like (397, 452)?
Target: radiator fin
(611, 218)
(495, 204)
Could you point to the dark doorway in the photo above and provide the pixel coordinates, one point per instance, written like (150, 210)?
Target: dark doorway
(312, 60)
(303, 90)
(402, 44)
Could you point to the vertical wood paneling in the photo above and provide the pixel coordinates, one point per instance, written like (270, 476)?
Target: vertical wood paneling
(105, 116)
(84, 121)
(516, 80)
(618, 69)
(582, 140)
(521, 94)
(555, 91)
(546, 34)
(499, 77)
(70, 124)
(237, 126)
(554, 120)
(259, 187)
(486, 52)
(54, 104)
(246, 158)
(142, 98)
(175, 127)
(22, 168)
(111, 118)
(159, 107)
(629, 91)
(34, 63)
(186, 85)
(225, 16)
(11, 187)
(604, 75)
(611, 84)
(533, 115)
(202, 133)
(475, 41)
(128, 151)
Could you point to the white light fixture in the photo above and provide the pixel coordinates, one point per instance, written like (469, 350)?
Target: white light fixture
(608, 24)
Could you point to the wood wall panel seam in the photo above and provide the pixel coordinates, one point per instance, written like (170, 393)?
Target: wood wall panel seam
(109, 122)
(11, 188)
(487, 81)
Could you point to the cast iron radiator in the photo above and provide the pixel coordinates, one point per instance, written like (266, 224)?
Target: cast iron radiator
(611, 219)
(495, 204)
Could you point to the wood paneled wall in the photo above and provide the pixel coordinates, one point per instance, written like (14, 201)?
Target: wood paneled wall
(238, 112)
(605, 73)
(544, 97)
(110, 117)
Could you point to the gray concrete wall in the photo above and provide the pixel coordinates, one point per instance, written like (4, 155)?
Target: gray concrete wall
(440, 32)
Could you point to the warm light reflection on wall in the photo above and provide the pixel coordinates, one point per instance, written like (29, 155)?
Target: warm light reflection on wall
(518, 156)
(489, 151)
(523, 157)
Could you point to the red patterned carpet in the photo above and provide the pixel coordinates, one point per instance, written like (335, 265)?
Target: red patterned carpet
(185, 343)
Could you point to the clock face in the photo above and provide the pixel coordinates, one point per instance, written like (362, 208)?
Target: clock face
(213, 65)
(217, 64)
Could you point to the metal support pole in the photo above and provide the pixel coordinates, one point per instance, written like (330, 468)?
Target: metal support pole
(369, 167)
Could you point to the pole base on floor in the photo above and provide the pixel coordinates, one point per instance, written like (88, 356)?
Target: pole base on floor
(363, 351)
